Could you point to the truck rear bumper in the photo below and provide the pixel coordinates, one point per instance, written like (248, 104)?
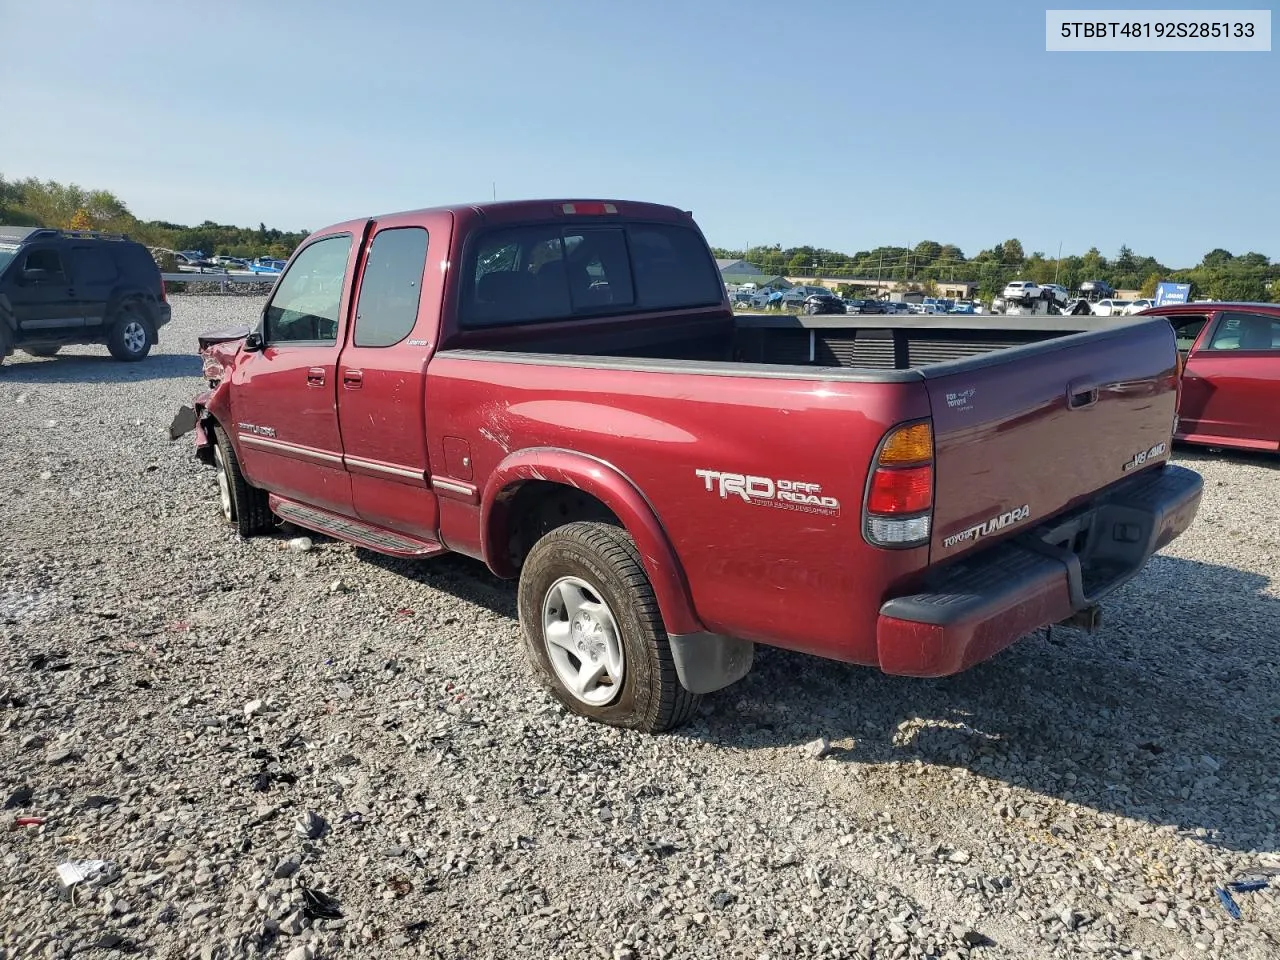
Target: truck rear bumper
(974, 608)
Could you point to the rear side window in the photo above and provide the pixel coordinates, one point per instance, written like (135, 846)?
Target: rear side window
(1246, 331)
(391, 287)
(136, 263)
(551, 271)
(92, 265)
(308, 296)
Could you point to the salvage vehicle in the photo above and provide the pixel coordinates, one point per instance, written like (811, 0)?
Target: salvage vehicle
(60, 287)
(1231, 373)
(562, 390)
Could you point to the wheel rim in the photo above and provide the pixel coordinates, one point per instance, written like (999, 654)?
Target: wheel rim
(224, 485)
(134, 336)
(583, 641)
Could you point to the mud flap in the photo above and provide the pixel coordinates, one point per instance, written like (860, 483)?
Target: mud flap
(708, 661)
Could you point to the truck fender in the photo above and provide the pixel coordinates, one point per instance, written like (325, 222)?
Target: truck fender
(611, 487)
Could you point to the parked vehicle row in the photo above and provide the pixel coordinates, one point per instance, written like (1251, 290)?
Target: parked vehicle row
(573, 401)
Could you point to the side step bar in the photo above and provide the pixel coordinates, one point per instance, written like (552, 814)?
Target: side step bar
(354, 531)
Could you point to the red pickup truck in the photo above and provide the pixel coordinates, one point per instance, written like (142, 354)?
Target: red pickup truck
(561, 389)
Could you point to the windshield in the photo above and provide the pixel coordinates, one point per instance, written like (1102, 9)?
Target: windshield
(7, 252)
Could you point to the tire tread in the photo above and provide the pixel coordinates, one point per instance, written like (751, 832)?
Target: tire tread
(668, 704)
(253, 511)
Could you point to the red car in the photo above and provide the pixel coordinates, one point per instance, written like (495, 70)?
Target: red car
(1231, 373)
(561, 389)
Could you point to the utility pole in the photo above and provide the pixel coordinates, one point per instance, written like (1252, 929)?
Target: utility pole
(1057, 264)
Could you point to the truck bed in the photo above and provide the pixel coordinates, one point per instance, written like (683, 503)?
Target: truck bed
(870, 347)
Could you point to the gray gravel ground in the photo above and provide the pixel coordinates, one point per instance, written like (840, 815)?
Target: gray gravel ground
(187, 706)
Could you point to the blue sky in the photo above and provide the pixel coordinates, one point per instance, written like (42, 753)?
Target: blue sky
(840, 124)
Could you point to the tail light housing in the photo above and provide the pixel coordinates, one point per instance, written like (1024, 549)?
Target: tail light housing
(898, 508)
(164, 294)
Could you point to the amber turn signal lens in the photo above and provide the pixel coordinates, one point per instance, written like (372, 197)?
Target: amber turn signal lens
(913, 444)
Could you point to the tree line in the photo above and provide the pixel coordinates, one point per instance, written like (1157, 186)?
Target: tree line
(46, 203)
(1220, 275)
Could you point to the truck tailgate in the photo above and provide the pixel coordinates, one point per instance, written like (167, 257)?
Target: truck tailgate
(1029, 432)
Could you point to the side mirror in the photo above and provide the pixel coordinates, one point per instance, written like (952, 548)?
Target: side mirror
(34, 276)
(253, 342)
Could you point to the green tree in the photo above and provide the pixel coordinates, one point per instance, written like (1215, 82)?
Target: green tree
(1013, 252)
(927, 251)
(1216, 258)
(1149, 285)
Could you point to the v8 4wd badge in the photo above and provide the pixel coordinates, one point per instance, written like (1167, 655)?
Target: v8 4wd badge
(1143, 456)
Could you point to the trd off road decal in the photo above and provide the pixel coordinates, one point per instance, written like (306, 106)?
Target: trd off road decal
(768, 492)
(988, 527)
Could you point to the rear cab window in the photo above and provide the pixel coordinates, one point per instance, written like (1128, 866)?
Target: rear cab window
(554, 271)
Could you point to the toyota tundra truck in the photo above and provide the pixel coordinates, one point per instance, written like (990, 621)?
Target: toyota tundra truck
(562, 390)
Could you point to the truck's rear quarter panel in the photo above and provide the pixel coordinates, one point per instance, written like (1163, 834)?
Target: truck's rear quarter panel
(762, 570)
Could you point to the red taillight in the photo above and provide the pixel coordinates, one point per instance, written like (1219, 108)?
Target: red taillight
(901, 490)
(899, 505)
(164, 294)
(594, 209)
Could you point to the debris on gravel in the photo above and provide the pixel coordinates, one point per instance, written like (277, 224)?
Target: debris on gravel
(275, 767)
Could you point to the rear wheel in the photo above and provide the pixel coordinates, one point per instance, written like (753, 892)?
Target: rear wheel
(6, 341)
(241, 504)
(132, 336)
(50, 351)
(593, 632)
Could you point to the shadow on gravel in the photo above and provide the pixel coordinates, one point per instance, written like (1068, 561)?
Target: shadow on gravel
(1121, 721)
(1176, 692)
(1197, 454)
(82, 368)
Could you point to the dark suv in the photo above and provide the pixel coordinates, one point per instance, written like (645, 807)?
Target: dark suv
(62, 286)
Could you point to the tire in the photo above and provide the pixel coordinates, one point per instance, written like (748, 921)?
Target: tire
(6, 341)
(132, 336)
(42, 351)
(243, 505)
(595, 568)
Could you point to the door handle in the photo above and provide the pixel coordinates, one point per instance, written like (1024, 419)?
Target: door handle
(315, 377)
(352, 379)
(1079, 397)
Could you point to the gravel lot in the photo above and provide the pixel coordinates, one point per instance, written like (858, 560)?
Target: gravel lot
(177, 701)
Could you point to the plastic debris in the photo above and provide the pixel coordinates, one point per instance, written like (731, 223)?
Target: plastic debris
(310, 825)
(1228, 902)
(37, 822)
(318, 905)
(1248, 886)
(75, 872)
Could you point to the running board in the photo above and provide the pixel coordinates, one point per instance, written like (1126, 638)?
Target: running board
(354, 531)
